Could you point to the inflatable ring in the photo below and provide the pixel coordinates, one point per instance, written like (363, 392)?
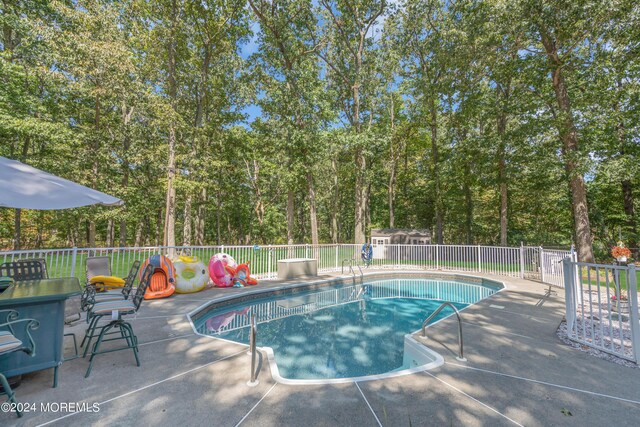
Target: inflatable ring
(191, 275)
(222, 269)
(367, 253)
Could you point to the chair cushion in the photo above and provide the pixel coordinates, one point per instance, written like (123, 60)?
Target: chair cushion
(108, 297)
(8, 342)
(110, 281)
(122, 306)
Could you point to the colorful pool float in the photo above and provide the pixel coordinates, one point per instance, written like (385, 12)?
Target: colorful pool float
(222, 268)
(191, 275)
(243, 276)
(164, 277)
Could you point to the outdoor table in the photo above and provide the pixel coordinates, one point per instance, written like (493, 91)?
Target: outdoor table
(44, 301)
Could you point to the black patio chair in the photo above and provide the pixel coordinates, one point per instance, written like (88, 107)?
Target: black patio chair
(25, 269)
(91, 296)
(119, 309)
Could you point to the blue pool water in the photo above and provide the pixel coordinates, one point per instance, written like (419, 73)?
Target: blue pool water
(340, 332)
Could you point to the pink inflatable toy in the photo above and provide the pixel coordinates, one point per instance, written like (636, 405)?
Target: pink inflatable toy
(222, 269)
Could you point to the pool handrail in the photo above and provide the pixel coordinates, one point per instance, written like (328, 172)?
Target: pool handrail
(457, 313)
(253, 331)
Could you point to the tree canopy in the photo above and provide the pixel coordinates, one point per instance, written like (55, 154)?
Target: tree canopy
(298, 121)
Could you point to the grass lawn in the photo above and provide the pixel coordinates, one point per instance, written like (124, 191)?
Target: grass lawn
(603, 277)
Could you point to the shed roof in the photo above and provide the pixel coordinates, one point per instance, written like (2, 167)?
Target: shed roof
(378, 232)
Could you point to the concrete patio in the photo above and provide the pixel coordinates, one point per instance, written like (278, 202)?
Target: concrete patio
(518, 373)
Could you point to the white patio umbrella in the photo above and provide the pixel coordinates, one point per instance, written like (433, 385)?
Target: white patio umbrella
(25, 187)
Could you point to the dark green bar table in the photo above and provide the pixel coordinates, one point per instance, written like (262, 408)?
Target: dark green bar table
(42, 300)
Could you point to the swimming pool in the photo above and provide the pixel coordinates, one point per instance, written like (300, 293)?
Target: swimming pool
(341, 332)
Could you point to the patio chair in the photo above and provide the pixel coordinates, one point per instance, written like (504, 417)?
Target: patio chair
(97, 266)
(99, 273)
(25, 269)
(11, 343)
(116, 309)
(91, 297)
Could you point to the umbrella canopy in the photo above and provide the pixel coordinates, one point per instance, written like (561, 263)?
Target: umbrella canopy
(25, 187)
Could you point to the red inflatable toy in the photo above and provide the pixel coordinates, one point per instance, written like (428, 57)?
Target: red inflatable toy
(242, 276)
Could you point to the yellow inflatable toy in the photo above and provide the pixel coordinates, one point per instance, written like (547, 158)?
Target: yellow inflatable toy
(105, 282)
(191, 275)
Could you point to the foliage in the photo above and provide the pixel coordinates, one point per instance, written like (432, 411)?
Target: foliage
(420, 114)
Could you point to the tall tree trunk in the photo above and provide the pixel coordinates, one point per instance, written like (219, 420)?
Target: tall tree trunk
(17, 219)
(94, 172)
(468, 203)
(17, 232)
(186, 227)
(313, 215)
(170, 220)
(367, 208)
(158, 222)
(627, 186)
(218, 217)
(393, 166)
(138, 239)
(110, 233)
(200, 108)
(200, 215)
(627, 197)
(435, 171)
(569, 137)
(360, 198)
(290, 216)
(126, 145)
(123, 233)
(334, 202)
(503, 95)
(392, 196)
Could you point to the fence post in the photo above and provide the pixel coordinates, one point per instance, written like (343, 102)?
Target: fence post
(521, 260)
(632, 290)
(479, 265)
(542, 265)
(337, 249)
(74, 256)
(437, 256)
(306, 251)
(569, 289)
(269, 262)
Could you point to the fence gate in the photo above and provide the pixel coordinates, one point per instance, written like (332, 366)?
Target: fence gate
(531, 262)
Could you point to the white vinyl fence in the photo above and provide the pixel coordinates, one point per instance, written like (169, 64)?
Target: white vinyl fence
(526, 262)
(602, 307)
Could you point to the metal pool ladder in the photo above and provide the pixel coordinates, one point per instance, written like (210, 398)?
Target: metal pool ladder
(351, 260)
(434, 314)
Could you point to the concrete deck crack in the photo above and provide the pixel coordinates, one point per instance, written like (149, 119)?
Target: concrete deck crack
(256, 405)
(173, 377)
(166, 339)
(593, 393)
(368, 404)
(473, 398)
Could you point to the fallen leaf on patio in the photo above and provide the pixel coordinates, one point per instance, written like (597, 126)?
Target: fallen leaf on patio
(566, 412)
